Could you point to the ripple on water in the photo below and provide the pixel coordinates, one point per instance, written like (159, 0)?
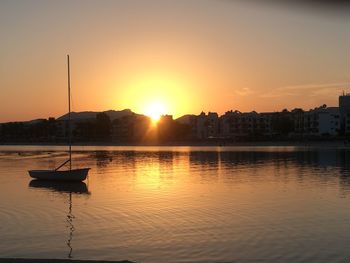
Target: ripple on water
(167, 206)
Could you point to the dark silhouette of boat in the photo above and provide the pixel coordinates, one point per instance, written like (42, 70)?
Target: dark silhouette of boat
(71, 175)
(76, 175)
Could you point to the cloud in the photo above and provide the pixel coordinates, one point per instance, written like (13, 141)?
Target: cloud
(243, 91)
(309, 90)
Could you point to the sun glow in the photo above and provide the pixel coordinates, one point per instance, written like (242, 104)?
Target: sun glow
(155, 110)
(155, 93)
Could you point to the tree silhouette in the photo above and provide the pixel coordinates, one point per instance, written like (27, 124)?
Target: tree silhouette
(103, 127)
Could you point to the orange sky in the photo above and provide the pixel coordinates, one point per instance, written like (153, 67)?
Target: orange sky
(186, 56)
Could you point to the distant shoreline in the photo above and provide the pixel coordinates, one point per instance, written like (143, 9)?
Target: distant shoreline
(330, 143)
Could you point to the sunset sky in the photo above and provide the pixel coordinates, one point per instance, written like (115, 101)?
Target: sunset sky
(177, 56)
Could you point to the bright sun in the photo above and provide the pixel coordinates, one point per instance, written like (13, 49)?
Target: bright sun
(155, 110)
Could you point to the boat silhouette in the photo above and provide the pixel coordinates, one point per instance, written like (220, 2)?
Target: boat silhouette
(70, 174)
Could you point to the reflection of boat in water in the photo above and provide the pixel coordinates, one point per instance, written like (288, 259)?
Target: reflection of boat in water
(60, 186)
(66, 175)
(67, 189)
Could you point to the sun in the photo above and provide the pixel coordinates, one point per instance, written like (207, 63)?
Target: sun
(154, 110)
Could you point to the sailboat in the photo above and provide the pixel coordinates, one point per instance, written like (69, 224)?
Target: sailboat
(69, 174)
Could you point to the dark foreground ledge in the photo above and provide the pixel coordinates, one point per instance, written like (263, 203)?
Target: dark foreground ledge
(30, 260)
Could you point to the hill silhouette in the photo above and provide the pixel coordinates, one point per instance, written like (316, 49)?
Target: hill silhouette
(185, 119)
(88, 115)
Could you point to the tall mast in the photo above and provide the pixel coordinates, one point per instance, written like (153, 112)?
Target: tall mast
(69, 119)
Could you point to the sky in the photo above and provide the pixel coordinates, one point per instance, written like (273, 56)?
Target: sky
(174, 57)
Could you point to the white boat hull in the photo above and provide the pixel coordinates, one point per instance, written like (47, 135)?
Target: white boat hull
(74, 175)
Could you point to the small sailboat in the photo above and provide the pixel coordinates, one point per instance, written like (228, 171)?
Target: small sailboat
(70, 174)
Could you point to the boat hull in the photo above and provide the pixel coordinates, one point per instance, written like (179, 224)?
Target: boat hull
(74, 175)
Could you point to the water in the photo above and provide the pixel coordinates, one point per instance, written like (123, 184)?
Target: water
(179, 204)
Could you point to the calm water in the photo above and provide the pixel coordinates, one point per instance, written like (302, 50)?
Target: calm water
(180, 204)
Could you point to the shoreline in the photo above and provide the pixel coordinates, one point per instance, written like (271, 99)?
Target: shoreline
(318, 144)
(189, 144)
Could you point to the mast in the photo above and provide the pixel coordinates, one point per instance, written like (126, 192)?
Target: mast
(69, 119)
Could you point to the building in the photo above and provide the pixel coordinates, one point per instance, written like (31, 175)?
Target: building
(344, 110)
(329, 121)
(207, 126)
(131, 128)
(237, 125)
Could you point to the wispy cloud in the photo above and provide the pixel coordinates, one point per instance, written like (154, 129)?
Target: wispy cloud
(312, 89)
(243, 91)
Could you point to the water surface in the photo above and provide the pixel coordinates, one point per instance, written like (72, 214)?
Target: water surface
(179, 204)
